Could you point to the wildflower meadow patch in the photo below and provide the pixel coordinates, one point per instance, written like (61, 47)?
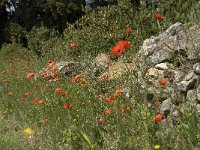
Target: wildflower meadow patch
(49, 109)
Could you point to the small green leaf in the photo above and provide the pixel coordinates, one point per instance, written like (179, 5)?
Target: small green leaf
(86, 138)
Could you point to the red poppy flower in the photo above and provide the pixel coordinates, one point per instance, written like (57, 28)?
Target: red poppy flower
(125, 44)
(110, 99)
(34, 101)
(158, 118)
(73, 45)
(8, 81)
(100, 120)
(44, 75)
(122, 110)
(57, 90)
(41, 101)
(10, 93)
(50, 61)
(118, 92)
(67, 106)
(63, 94)
(128, 30)
(119, 48)
(54, 74)
(29, 75)
(158, 16)
(163, 82)
(27, 94)
(107, 112)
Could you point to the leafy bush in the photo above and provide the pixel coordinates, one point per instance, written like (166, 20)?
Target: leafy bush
(53, 48)
(101, 28)
(14, 32)
(38, 36)
(178, 11)
(194, 15)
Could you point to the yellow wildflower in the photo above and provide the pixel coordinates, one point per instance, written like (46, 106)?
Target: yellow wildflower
(156, 146)
(28, 131)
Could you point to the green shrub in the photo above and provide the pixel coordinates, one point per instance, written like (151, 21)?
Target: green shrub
(53, 48)
(99, 30)
(38, 36)
(194, 15)
(14, 32)
(178, 11)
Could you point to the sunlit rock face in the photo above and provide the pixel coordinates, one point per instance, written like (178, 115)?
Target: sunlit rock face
(169, 67)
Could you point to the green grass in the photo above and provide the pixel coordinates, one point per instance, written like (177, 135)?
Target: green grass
(77, 127)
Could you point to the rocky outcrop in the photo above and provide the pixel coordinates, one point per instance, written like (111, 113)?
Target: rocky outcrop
(117, 70)
(67, 68)
(172, 55)
(176, 45)
(101, 63)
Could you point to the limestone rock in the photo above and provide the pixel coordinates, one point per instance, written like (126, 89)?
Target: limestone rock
(68, 68)
(101, 62)
(184, 86)
(175, 113)
(102, 59)
(173, 54)
(155, 73)
(178, 75)
(196, 68)
(188, 83)
(162, 66)
(198, 56)
(166, 107)
(189, 76)
(173, 44)
(118, 69)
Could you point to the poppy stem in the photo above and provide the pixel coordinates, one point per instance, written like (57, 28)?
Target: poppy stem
(158, 23)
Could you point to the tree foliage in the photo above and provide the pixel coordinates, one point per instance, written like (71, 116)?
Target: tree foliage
(53, 14)
(3, 20)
